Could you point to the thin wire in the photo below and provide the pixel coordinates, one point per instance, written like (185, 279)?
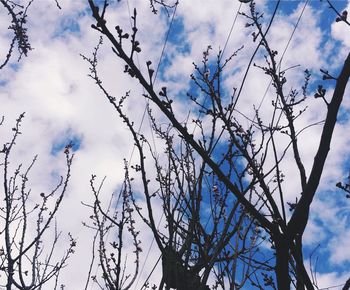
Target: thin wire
(279, 64)
(147, 102)
(165, 42)
(231, 29)
(150, 274)
(278, 67)
(247, 69)
(139, 129)
(147, 255)
(331, 287)
(143, 89)
(222, 54)
(284, 52)
(256, 50)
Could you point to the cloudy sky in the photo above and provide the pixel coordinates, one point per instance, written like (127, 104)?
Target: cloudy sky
(62, 104)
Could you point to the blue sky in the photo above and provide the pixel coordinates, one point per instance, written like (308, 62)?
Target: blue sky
(63, 105)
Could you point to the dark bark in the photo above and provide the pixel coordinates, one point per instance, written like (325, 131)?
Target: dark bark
(117, 48)
(303, 279)
(282, 262)
(288, 243)
(178, 276)
(347, 285)
(300, 216)
(299, 253)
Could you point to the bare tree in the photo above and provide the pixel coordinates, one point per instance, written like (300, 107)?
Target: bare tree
(18, 13)
(24, 259)
(28, 263)
(255, 187)
(114, 227)
(195, 241)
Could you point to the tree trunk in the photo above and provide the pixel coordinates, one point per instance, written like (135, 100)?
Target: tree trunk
(303, 279)
(282, 263)
(10, 273)
(299, 273)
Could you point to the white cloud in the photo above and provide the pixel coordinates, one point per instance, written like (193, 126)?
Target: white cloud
(52, 87)
(339, 246)
(331, 280)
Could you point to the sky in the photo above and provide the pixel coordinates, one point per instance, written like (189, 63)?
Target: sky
(62, 104)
